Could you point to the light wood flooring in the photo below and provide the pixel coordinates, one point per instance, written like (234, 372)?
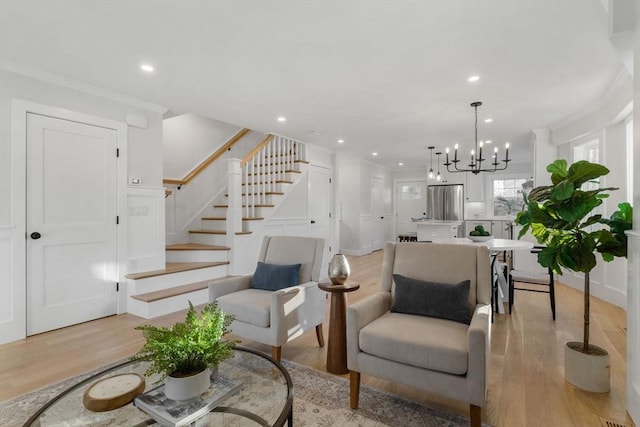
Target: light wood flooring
(526, 385)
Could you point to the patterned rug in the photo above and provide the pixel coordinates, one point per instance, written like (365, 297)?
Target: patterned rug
(320, 399)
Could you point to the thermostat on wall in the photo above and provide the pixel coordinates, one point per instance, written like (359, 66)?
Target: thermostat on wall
(135, 180)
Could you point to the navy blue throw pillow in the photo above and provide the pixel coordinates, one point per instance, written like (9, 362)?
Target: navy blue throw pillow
(442, 300)
(272, 277)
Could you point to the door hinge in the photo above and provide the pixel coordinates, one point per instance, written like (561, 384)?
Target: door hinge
(117, 286)
(329, 180)
(329, 214)
(117, 152)
(329, 248)
(117, 219)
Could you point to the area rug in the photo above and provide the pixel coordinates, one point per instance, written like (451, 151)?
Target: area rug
(320, 399)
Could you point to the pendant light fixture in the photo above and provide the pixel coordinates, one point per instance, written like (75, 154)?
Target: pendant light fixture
(438, 176)
(475, 166)
(431, 161)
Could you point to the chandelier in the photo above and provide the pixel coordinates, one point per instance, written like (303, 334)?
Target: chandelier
(475, 166)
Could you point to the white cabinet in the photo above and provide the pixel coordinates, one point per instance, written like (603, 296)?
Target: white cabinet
(501, 229)
(474, 187)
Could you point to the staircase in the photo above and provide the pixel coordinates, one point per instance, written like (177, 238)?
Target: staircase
(256, 186)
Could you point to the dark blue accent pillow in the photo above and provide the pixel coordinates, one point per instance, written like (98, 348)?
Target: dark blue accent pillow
(433, 299)
(272, 277)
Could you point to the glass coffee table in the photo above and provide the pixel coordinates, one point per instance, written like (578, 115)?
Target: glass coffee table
(265, 397)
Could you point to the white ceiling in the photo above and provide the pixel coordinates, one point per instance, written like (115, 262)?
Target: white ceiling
(386, 76)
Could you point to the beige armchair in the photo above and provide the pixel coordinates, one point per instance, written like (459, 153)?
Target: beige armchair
(443, 356)
(276, 317)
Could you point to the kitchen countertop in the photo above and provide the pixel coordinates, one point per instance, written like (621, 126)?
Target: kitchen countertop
(438, 222)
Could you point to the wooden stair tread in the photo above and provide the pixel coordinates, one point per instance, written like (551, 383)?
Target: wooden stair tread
(171, 292)
(221, 218)
(175, 267)
(217, 232)
(195, 247)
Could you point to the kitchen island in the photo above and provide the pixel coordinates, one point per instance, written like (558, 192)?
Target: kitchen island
(429, 230)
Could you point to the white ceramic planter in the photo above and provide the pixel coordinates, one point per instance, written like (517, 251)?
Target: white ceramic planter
(589, 372)
(188, 387)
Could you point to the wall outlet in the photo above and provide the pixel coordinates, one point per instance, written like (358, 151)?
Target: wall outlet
(134, 180)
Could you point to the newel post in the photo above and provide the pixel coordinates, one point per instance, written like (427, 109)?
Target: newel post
(234, 211)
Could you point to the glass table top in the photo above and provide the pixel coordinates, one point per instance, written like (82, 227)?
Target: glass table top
(264, 398)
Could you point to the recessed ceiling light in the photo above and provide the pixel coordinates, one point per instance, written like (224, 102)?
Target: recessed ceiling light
(488, 120)
(400, 164)
(282, 119)
(374, 153)
(488, 141)
(341, 141)
(473, 79)
(147, 68)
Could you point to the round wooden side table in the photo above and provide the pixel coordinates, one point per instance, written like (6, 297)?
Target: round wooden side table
(337, 346)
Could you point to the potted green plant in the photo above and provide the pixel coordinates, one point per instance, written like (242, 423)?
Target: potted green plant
(560, 217)
(184, 353)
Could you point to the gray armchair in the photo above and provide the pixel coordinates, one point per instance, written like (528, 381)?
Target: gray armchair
(434, 354)
(276, 317)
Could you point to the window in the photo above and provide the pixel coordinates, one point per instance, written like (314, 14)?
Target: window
(507, 194)
(410, 192)
(629, 132)
(589, 151)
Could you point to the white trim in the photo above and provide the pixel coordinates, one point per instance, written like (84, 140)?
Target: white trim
(19, 110)
(60, 80)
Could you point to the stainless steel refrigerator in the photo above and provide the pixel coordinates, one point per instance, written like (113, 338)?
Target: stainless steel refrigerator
(445, 202)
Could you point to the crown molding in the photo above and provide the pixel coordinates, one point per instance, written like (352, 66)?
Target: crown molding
(70, 83)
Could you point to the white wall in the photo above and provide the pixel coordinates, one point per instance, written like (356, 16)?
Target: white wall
(633, 294)
(604, 122)
(189, 139)
(143, 159)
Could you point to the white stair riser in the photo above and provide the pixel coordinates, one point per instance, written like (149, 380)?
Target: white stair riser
(197, 256)
(157, 283)
(149, 310)
(214, 224)
(208, 239)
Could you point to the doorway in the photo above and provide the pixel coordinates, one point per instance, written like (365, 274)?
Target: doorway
(411, 202)
(71, 222)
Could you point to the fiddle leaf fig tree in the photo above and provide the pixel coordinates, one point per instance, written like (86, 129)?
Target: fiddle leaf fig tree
(560, 216)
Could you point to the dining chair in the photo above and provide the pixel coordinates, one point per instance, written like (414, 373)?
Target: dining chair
(526, 270)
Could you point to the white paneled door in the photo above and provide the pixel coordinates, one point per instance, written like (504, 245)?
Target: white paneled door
(411, 202)
(71, 223)
(377, 214)
(320, 207)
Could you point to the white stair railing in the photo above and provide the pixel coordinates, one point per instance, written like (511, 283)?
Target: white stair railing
(266, 169)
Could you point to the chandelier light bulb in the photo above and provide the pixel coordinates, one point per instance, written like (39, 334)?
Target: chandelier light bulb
(430, 173)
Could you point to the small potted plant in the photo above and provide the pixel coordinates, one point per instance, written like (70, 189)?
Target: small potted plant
(560, 217)
(184, 353)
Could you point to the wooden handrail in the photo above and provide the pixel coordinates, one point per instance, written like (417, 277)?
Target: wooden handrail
(206, 162)
(256, 150)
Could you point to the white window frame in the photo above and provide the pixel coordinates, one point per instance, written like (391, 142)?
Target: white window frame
(502, 177)
(629, 135)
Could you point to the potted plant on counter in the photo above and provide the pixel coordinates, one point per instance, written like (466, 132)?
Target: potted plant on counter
(184, 353)
(560, 217)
